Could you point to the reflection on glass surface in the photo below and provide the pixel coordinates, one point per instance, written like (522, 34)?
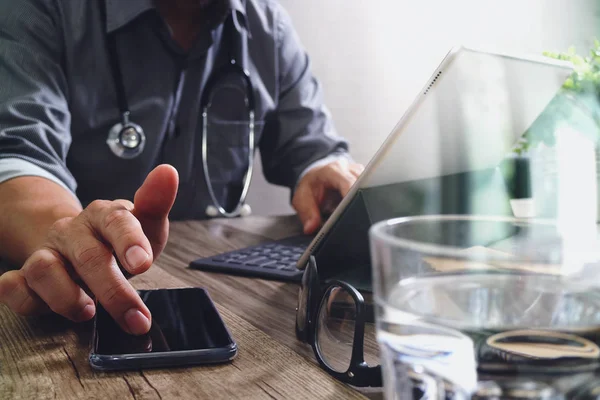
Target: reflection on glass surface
(494, 296)
(471, 116)
(182, 319)
(335, 329)
(453, 154)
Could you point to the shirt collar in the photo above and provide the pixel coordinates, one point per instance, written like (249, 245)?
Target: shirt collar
(241, 17)
(121, 12)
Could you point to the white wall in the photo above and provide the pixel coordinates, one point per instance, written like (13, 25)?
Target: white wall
(373, 56)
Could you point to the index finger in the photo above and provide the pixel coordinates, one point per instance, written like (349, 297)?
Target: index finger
(94, 263)
(307, 208)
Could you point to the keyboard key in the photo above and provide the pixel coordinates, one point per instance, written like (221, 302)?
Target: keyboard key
(253, 260)
(254, 263)
(269, 263)
(270, 260)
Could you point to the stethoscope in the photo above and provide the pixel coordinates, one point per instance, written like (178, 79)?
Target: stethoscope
(127, 139)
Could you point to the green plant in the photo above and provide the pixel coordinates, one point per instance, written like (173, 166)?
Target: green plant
(577, 103)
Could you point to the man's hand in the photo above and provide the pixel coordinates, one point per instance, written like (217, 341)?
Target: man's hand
(76, 261)
(321, 189)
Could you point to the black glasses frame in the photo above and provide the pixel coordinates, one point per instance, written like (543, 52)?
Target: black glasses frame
(311, 296)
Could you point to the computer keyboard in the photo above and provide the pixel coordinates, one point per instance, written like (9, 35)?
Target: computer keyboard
(271, 260)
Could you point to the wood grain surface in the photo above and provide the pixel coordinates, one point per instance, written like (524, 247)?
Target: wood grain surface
(47, 357)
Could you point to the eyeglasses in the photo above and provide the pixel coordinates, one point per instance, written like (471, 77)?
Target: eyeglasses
(335, 320)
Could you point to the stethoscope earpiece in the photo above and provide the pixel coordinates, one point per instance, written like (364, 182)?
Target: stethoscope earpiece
(243, 211)
(246, 210)
(212, 211)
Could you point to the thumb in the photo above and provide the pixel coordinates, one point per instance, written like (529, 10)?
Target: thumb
(152, 203)
(307, 208)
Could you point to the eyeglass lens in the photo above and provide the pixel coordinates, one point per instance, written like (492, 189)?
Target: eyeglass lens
(336, 324)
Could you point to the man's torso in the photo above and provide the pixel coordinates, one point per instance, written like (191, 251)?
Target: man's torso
(163, 86)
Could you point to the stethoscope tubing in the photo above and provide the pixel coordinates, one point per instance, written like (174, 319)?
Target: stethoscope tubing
(115, 136)
(237, 211)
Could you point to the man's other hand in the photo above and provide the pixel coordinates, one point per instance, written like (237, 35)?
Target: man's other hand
(321, 189)
(76, 261)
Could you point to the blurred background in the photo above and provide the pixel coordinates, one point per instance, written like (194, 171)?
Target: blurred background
(373, 57)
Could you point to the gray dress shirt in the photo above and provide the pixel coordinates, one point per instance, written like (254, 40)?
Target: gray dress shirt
(58, 99)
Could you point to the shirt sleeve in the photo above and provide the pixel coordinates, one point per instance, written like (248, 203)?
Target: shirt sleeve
(300, 131)
(324, 161)
(15, 167)
(34, 113)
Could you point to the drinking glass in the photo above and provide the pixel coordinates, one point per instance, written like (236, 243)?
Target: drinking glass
(486, 307)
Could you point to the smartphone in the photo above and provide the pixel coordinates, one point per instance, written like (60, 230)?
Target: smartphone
(186, 330)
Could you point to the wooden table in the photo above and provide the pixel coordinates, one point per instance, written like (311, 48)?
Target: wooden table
(47, 357)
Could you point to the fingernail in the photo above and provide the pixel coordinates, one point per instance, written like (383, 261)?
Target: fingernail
(307, 225)
(87, 313)
(136, 322)
(136, 257)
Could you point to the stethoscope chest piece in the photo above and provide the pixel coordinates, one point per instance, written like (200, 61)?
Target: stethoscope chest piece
(126, 139)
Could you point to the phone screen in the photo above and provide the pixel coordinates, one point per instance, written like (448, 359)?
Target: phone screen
(182, 319)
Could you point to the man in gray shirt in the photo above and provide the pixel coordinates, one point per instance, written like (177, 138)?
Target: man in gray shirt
(70, 70)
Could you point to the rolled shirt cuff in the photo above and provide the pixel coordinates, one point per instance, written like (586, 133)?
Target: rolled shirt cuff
(323, 161)
(13, 167)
